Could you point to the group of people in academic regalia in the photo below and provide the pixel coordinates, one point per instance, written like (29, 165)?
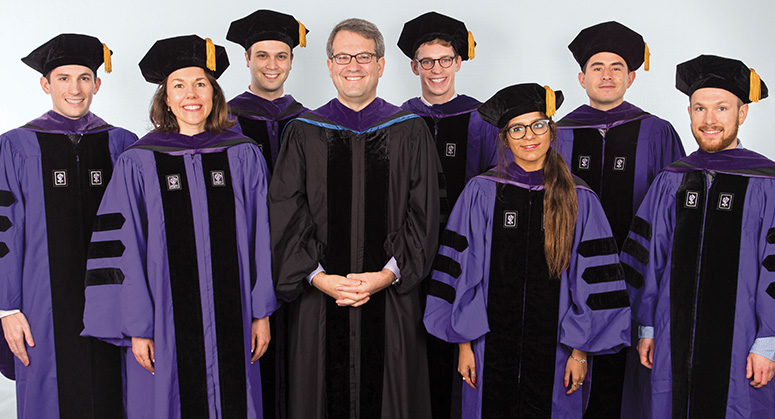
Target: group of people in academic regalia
(257, 259)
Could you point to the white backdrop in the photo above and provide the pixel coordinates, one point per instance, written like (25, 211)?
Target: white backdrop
(518, 41)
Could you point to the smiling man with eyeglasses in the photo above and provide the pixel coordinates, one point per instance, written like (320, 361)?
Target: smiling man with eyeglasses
(467, 146)
(354, 214)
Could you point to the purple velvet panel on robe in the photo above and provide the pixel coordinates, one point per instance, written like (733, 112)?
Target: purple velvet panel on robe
(748, 315)
(141, 303)
(465, 318)
(25, 269)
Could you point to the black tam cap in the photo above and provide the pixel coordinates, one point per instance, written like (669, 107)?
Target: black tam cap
(267, 25)
(610, 37)
(520, 99)
(434, 25)
(723, 73)
(68, 49)
(168, 55)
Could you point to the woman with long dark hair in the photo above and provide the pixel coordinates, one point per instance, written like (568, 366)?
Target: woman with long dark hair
(527, 280)
(179, 266)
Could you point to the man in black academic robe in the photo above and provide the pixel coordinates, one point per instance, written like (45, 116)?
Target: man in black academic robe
(354, 206)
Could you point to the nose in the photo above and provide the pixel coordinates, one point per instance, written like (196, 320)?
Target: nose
(73, 85)
(607, 74)
(271, 62)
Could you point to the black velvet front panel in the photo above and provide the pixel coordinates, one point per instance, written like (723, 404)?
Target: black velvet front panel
(621, 144)
(451, 136)
(522, 310)
(88, 371)
(256, 130)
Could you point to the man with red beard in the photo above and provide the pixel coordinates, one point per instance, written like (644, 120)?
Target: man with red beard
(618, 149)
(700, 260)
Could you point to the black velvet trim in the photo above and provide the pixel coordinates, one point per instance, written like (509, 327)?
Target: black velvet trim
(522, 311)
(184, 284)
(107, 222)
(587, 143)
(621, 144)
(641, 227)
(451, 239)
(439, 289)
(337, 261)
(88, 371)
(636, 250)
(632, 276)
(771, 236)
(256, 130)
(771, 290)
(451, 136)
(6, 198)
(769, 263)
(5, 223)
(104, 276)
(716, 299)
(608, 300)
(227, 293)
(106, 249)
(3, 249)
(447, 265)
(598, 247)
(603, 273)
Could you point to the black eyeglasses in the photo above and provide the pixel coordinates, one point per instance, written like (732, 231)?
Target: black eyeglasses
(518, 131)
(360, 58)
(444, 62)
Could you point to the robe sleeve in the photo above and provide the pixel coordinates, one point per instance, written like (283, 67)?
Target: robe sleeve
(646, 249)
(666, 147)
(118, 300)
(764, 344)
(485, 136)
(12, 220)
(598, 320)
(255, 192)
(295, 250)
(415, 242)
(456, 310)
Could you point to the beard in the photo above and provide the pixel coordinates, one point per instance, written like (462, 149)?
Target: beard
(727, 138)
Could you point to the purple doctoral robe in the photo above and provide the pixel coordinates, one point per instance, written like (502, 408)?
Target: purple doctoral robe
(263, 121)
(467, 146)
(54, 172)
(352, 191)
(619, 165)
(491, 287)
(180, 254)
(700, 265)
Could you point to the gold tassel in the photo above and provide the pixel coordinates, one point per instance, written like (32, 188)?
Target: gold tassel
(302, 35)
(551, 107)
(106, 58)
(646, 57)
(210, 54)
(471, 45)
(756, 87)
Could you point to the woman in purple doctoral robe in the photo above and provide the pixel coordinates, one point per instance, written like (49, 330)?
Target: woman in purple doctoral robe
(527, 279)
(179, 266)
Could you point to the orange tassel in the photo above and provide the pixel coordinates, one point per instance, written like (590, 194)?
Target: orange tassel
(646, 57)
(210, 54)
(302, 35)
(756, 87)
(551, 107)
(106, 58)
(471, 45)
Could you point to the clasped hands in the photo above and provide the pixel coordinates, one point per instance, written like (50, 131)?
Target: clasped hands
(353, 290)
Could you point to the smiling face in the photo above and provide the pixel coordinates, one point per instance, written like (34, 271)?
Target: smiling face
(72, 88)
(190, 98)
(438, 84)
(530, 151)
(716, 115)
(356, 84)
(606, 79)
(270, 65)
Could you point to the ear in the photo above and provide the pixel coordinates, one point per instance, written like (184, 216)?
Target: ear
(45, 85)
(742, 113)
(630, 78)
(247, 60)
(415, 67)
(381, 65)
(97, 84)
(330, 64)
(458, 63)
(581, 80)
